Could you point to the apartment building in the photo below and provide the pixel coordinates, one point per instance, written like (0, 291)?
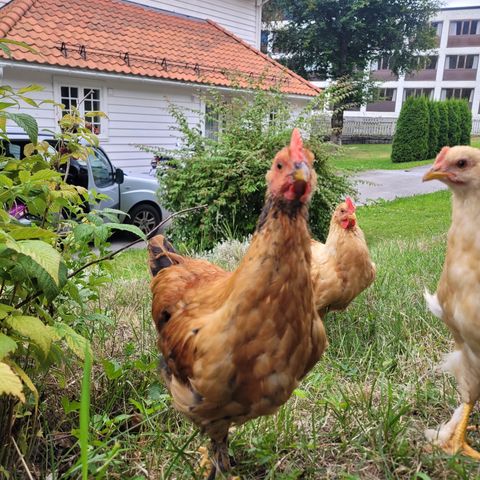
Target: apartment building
(450, 71)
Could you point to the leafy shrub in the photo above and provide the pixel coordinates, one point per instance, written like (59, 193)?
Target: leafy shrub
(411, 140)
(228, 173)
(465, 122)
(433, 129)
(454, 127)
(443, 132)
(44, 286)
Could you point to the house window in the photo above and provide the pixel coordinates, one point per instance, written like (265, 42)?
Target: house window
(418, 92)
(86, 100)
(212, 122)
(465, 27)
(462, 61)
(387, 94)
(427, 63)
(437, 26)
(466, 93)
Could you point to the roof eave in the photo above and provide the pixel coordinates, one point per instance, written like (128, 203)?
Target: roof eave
(144, 79)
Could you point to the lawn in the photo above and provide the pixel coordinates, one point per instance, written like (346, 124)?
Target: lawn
(360, 414)
(356, 158)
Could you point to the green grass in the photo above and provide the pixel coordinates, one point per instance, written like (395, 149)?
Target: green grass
(408, 218)
(357, 158)
(360, 414)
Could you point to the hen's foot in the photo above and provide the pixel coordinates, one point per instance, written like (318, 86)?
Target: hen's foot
(456, 441)
(219, 461)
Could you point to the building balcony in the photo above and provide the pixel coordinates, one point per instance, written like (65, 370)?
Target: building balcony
(463, 41)
(381, 106)
(467, 74)
(383, 75)
(420, 75)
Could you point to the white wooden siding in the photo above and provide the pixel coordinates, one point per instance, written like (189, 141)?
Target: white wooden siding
(44, 115)
(241, 17)
(138, 112)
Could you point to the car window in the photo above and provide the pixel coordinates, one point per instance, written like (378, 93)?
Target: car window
(101, 169)
(14, 150)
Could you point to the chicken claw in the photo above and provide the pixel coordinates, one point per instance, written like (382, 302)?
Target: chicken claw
(457, 427)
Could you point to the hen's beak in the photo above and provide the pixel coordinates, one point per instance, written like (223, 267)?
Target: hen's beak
(301, 172)
(434, 174)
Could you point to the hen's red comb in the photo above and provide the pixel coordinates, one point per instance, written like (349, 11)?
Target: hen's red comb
(296, 144)
(350, 205)
(441, 157)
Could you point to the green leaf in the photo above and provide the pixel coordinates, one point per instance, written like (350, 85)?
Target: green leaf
(126, 228)
(30, 88)
(74, 340)
(4, 105)
(29, 233)
(32, 328)
(43, 254)
(10, 384)
(25, 378)
(7, 345)
(5, 310)
(7, 181)
(45, 174)
(26, 122)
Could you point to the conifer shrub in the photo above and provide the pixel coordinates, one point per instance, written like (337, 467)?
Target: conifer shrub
(411, 140)
(443, 139)
(465, 122)
(454, 127)
(433, 129)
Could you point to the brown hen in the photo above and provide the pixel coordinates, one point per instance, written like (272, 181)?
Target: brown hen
(236, 345)
(341, 267)
(457, 300)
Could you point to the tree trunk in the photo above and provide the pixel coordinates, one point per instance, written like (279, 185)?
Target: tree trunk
(337, 127)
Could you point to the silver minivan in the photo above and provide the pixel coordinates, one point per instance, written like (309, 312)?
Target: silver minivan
(133, 194)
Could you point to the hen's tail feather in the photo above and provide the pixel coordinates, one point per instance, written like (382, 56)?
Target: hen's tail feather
(161, 254)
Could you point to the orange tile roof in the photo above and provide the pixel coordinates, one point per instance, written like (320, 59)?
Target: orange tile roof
(124, 38)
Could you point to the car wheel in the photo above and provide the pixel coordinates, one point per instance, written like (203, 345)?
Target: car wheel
(146, 217)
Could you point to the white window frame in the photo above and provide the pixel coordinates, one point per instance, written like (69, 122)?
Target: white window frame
(417, 92)
(453, 27)
(438, 26)
(443, 93)
(383, 98)
(464, 57)
(82, 84)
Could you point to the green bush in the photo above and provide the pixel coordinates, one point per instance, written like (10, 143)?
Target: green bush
(454, 128)
(411, 140)
(465, 122)
(433, 129)
(44, 287)
(443, 131)
(228, 173)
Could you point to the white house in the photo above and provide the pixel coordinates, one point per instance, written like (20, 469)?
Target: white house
(132, 59)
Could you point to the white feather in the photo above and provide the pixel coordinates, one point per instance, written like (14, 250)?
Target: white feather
(433, 304)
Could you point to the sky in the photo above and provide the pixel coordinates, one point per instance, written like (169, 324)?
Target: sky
(462, 3)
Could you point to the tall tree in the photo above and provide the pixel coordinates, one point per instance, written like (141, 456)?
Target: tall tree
(337, 39)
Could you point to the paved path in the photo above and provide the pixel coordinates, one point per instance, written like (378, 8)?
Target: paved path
(389, 184)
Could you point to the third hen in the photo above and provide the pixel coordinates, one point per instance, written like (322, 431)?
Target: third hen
(342, 267)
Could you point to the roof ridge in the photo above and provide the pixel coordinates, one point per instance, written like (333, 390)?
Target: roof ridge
(265, 57)
(16, 9)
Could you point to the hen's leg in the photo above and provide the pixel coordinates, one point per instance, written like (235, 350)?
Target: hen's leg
(456, 430)
(220, 458)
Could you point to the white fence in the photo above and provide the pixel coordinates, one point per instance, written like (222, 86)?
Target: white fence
(372, 127)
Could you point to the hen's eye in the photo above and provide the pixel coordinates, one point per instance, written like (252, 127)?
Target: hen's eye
(462, 163)
(342, 211)
(279, 166)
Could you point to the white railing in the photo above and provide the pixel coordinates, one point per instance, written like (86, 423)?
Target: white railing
(372, 126)
(369, 127)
